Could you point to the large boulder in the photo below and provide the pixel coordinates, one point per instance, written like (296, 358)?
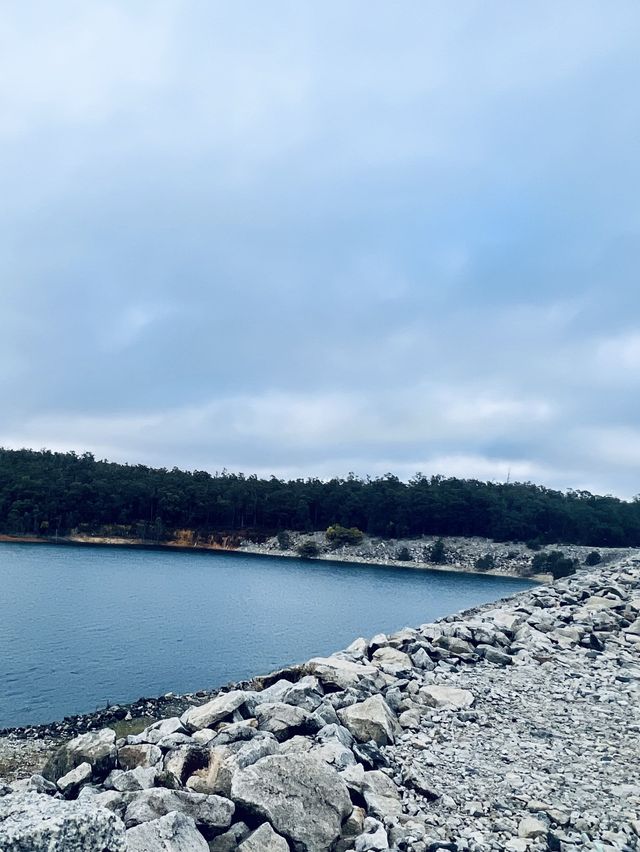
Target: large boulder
(145, 755)
(302, 797)
(338, 672)
(175, 832)
(446, 697)
(392, 660)
(98, 748)
(209, 714)
(282, 720)
(210, 812)
(371, 719)
(32, 822)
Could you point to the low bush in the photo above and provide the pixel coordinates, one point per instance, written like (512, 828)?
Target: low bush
(308, 549)
(337, 535)
(485, 562)
(284, 540)
(438, 552)
(404, 555)
(593, 558)
(554, 563)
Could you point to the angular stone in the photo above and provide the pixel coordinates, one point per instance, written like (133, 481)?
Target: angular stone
(97, 748)
(446, 697)
(32, 822)
(264, 839)
(229, 840)
(209, 812)
(175, 832)
(373, 838)
(531, 827)
(494, 655)
(185, 760)
(282, 720)
(70, 784)
(302, 797)
(214, 711)
(338, 672)
(144, 755)
(132, 780)
(391, 660)
(381, 795)
(371, 719)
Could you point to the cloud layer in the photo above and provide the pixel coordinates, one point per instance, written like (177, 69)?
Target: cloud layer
(308, 239)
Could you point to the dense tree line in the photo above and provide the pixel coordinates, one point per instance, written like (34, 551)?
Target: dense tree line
(49, 493)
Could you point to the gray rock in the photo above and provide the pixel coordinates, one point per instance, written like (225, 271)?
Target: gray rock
(446, 697)
(302, 797)
(185, 760)
(374, 837)
(495, 655)
(391, 660)
(175, 832)
(381, 795)
(338, 672)
(144, 755)
(70, 784)
(264, 839)
(97, 748)
(531, 827)
(282, 720)
(132, 780)
(209, 812)
(228, 841)
(371, 719)
(209, 714)
(32, 822)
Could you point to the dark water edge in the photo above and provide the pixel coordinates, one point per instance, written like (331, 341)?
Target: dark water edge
(67, 615)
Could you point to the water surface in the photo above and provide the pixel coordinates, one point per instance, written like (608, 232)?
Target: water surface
(80, 627)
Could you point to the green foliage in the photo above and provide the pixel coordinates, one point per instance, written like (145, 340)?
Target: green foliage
(554, 563)
(284, 540)
(485, 562)
(404, 555)
(338, 535)
(438, 552)
(593, 558)
(47, 493)
(534, 544)
(308, 549)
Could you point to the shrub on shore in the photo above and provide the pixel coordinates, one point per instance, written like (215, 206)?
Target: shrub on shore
(338, 535)
(438, 552)
(485, 562)
(308, 549)
(554, 563)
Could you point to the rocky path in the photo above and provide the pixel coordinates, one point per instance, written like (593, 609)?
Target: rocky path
(511, 727)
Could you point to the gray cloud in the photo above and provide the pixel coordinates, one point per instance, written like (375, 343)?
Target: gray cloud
(312, 239)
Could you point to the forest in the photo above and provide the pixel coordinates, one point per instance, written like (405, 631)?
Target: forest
(47, 493)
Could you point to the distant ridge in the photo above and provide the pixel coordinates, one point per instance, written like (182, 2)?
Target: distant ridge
(47, 493)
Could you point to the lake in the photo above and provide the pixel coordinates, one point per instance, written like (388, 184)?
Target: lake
(83, 626)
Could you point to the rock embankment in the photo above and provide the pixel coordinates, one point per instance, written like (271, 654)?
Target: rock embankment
(472, 554)
(510, 727)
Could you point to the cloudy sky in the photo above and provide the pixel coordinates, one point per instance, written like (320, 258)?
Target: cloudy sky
(312, 238)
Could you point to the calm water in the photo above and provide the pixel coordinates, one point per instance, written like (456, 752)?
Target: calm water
(83, 626)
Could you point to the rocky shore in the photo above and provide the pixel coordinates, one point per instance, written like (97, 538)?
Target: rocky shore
(510, 559)
(514, 726)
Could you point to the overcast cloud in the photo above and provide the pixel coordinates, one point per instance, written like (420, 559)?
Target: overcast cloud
(311, 238)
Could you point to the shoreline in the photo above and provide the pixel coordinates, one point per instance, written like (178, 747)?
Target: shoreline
(155, 707)
(258, 550)
(481, 694)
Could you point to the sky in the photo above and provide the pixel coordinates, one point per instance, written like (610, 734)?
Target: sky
(305, 239)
